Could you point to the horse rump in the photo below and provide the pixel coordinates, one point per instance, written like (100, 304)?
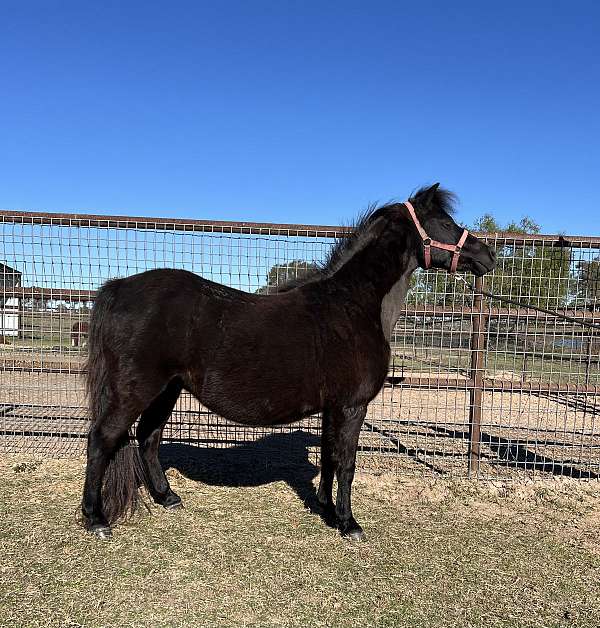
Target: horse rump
(125, 473)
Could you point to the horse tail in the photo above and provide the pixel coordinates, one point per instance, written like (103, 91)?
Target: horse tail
(123, 478)
(96, 366)
(125, 471)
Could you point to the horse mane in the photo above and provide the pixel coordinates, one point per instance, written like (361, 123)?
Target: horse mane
(345, 247)
(341, 251)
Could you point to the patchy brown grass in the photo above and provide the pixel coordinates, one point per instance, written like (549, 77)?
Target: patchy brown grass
(440, 553)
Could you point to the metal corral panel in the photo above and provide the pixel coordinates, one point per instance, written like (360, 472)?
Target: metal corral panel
(473, 388)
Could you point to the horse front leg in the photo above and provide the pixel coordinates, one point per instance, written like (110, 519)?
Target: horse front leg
(324, 494)
(347, 425)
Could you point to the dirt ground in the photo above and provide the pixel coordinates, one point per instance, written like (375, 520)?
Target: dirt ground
(407, 430)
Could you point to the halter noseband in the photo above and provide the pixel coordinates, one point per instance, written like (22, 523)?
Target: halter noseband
(455, 249)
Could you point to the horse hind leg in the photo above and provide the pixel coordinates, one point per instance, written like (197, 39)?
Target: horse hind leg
(114, 471)
(108, 445)
(149, 433)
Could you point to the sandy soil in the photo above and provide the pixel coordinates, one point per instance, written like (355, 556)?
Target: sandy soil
(45, 413)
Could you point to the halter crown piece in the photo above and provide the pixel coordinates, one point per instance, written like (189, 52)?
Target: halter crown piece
(455, 249)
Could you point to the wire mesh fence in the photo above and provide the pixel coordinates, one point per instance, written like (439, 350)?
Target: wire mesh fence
(473, 387)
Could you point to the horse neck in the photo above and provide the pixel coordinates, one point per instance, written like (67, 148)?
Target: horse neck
(378, 277)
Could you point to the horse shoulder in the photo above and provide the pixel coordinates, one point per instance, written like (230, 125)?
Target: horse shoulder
(355, 354)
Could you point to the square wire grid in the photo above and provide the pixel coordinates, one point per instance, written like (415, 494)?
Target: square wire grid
(536, 383)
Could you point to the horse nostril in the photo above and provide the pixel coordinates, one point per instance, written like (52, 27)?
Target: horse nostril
(493, 255)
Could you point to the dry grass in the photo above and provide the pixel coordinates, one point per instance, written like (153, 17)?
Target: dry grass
(440, 553)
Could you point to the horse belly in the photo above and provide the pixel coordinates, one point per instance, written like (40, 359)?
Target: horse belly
(261, 402)
(258, 412)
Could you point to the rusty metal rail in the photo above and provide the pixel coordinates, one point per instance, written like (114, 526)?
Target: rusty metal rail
(254, 228)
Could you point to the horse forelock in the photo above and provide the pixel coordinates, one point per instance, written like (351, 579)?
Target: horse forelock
(443, 200)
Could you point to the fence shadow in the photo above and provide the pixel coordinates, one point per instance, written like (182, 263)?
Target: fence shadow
(273, 458)
(578, 403)
(413, 453)
(514, 454)
(510, 453)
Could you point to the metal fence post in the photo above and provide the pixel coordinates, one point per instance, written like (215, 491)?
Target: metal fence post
(588, 362)
(476, 389)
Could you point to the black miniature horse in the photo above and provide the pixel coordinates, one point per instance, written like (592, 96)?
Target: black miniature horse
(319, 346)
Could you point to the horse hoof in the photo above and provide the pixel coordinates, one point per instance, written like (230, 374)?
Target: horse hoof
(174, 506)
(101, 532)
(355, 535)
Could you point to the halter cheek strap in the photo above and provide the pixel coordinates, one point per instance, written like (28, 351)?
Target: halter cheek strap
(455, 249)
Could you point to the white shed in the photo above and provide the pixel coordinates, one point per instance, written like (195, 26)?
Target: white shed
(9, 303)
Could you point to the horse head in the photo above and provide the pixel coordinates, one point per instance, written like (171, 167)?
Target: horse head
(445, 244)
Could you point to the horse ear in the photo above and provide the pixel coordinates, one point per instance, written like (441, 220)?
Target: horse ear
(427, 196)
(430, 193)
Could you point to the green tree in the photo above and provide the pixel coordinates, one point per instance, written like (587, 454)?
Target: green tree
(536, 271)
(588, 284)
(488, 224)
(280, 274)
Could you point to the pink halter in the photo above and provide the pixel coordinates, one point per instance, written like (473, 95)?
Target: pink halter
(455, 249)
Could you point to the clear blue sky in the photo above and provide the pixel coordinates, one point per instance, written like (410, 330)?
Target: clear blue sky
(300, 112)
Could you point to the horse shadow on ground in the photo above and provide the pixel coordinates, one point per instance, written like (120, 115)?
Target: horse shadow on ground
(279, 456)
(286, 456)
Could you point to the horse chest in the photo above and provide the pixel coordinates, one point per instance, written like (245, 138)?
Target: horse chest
(392, 304)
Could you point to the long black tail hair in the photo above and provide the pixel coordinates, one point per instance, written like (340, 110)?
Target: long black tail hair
(125, 472)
